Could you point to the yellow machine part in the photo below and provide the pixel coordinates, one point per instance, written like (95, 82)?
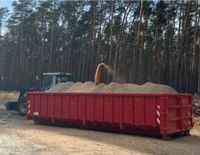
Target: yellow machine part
(98, 73)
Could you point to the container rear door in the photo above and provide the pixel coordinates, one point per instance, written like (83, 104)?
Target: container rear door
(179, 113)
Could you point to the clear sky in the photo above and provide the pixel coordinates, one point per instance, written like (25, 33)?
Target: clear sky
(6, 3)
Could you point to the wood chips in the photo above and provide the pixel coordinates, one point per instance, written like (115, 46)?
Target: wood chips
(113, 87)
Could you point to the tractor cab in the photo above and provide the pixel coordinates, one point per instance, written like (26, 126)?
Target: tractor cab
(51, 79)
(48, 81)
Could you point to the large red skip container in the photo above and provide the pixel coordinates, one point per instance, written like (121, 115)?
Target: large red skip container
(155, 114)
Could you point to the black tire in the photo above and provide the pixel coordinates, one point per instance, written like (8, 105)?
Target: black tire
(8, 106)
(21, 106)
(11, 106)
(187, 133)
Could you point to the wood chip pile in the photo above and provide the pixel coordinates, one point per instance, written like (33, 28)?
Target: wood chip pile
(113, 87)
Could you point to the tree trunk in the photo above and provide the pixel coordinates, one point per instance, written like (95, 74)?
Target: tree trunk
(111, 33)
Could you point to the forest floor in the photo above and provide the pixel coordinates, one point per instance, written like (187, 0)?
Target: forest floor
(19, 136)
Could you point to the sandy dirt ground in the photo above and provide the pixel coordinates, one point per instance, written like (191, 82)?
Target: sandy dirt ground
(19, 136)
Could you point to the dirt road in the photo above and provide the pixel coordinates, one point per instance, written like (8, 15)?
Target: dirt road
(19, 136)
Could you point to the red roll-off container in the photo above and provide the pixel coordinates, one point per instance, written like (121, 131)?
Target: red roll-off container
(155, 114)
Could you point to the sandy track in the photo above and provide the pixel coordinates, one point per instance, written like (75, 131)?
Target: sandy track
(19, 136)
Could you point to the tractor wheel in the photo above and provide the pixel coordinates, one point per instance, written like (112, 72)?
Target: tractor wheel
(21, 107)
(10, 106)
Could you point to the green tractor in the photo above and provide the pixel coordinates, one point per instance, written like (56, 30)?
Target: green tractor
(48, 80)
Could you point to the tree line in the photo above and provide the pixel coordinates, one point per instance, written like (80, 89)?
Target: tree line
(155, 41)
